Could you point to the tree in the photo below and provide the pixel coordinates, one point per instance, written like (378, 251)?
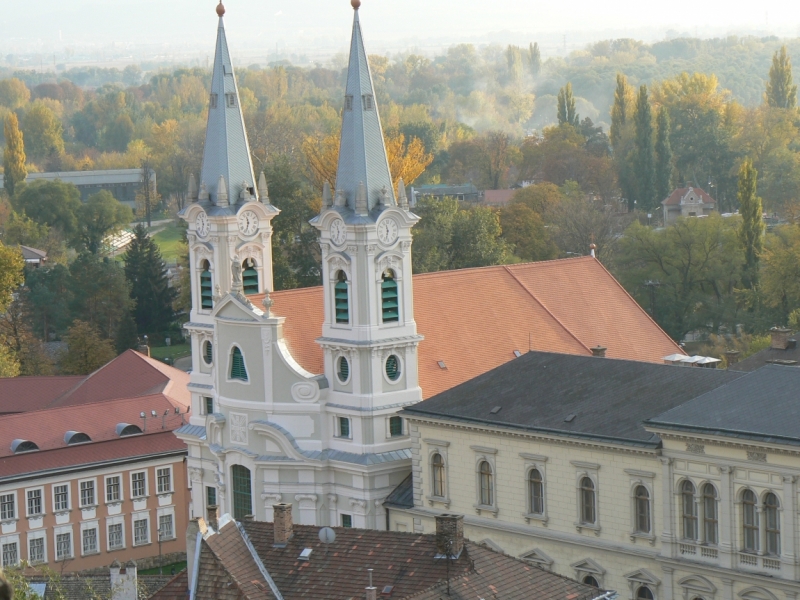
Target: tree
(623, 101)
(100, 294)
(779, 273)
(543, 198)
(146, 273)
(147, 198)
(14, 170)
(566, 107)
(524, 230)
(99, 217)
(19, 229)
(51, 203)
(13, 93)
(11, 274)
(16, 335)
(780, 91)
(663, 156)
(87, 351)
(48, 298)
(43, 132)
(127, 335)
(645, 159)
(535, 58)
(751, 231)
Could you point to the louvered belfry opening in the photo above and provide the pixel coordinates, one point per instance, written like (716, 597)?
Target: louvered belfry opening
(206, 292)
(249, 277)
(391, 311)
(238, 370)
(341, 298)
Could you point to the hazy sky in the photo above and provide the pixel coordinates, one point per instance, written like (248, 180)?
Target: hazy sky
(387, 23)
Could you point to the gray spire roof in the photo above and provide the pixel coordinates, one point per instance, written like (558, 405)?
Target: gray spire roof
(362, 152)
(226, 152)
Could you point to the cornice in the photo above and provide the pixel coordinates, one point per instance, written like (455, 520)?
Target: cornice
(727, 443)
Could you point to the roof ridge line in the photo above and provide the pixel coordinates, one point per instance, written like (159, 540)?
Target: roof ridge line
(259, 563)
(547, 310)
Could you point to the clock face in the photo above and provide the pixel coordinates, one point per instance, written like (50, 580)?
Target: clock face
(201, 224)
(248, 222)
(338, 232)
(387, 231)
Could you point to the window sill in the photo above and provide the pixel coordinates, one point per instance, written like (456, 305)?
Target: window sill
(479, 508)
(89, 506)
(68, 557)
(438, 500)
(135, 498)
(651, 539)
(12, 520)
(116, 549)
(62, 512)
(37, 516)
(142, 544)
(92, 553)
(541, 518)
(163, 494)
(590, 526)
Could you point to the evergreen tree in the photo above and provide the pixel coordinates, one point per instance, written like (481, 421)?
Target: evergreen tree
(535, 58)
(14, 170)
(100, 294)
(780, 91)
(146, 273)
(619, 112)
(751, 233)
(663, 156)
(644, 159)
(566, 107)
(127, 335)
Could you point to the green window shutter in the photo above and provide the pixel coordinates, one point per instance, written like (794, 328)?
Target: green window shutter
(208, 352)
(395, 426)
(342, 302)
(209, 405)
(389, 300)
(344, 427)
(344, 369)
(238, 370)
(242, 493)
(206, 293)
(250, 280)
(347, 521)
(393, 368)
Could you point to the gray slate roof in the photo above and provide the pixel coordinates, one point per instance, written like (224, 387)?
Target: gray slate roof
(362, 153)
(402, 496)
(767, 356)
(577, 396)
(763, 405)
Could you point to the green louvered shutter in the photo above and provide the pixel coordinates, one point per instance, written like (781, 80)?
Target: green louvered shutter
(342, 301)
(208, 352)
(206, 294)
(250, 278)
(238, 370)
(344, 369)
(392, 368)
(389, 299)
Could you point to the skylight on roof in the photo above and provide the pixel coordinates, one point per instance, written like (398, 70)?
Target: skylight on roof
(517, 353)
(305, 554)
(19, 446)
(441, 364)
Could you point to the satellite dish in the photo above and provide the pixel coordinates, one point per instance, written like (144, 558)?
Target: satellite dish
(327, 535)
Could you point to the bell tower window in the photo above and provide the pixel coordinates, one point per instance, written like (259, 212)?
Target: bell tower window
(238, 369)
(206, 294)
(341, 298)
(249, 277)
(389, 305)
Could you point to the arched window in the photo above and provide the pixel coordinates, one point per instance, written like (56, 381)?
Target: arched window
(773, 524)
(487, 484)
(249, 277)
(393, 368)
(589, 580)
(389, 299)
(437, 474)
(208, 352)
(710, 522)
(242, 492)
(341, 298)
(536, 492)
(588, 501)
(689, 510)
(644, 593)
(749, 522)
(642, 501)
(238, 370)
(343, 371)
(206, 293)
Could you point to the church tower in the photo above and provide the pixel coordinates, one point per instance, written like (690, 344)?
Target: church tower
(369, 337)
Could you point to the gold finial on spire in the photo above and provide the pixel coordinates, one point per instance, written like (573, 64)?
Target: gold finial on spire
(221, 8)
(356, 4)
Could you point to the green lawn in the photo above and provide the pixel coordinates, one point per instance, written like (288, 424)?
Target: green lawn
(178, 566)
(170, 240)
(171, 352)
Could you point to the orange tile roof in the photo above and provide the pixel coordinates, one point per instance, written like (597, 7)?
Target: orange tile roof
(677, 194)
(474, 319)
(18, 394)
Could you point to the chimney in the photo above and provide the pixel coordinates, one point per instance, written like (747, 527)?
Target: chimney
(731, 357)
(213, 516)
(599, 351)
(282, 523)
(449, 535)
(780, 338)
(192, 531)
(372, 591)
(123, 581)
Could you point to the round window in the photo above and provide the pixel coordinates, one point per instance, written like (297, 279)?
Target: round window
(393, 368)
(207, 352)
(343, 371)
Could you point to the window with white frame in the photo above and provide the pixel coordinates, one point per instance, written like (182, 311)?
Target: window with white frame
(35, 504)
(36, 550)
(116, 539)
(688, 511)
(772, 525)
(141, 531)
(710, 519)
(87, 493)
(8, 507)
(588, 500)
(486, 479)
(63, 545)
(535, 492)
(89, 541)
(343, 427)
(61, 497)
(749, 521)
(114, 488)
(10, 554)
(138, 484)
(166, 527)
(164, 480)
(644, 593)
(641, 501)
(438, 475)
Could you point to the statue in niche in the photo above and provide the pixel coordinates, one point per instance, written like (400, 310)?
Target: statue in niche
(236, 274)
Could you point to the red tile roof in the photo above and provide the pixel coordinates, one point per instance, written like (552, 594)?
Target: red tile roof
(139, 446)
(18, 394)
(498, 197)
(675, 196)
(474, 319)
(175, 589)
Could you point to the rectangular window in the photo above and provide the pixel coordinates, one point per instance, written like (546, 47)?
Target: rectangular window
(138, 484)
(63, 546)
(89, 541)
(115, 536)
(165, 528)
(231, 99)
(369, 103)
(395, 426)
(211, 496)
(113, 489)
(164, 477)
(347, 520)
(348, 102)
(36, 551)
(7, 508)
(61, 497)
(344, 427)
(10, 554)
(213, 101)
(140, 532)
(209, 405)
(34, 502)
(87, 493)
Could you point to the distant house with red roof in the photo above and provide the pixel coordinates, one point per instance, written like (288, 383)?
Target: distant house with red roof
(687, 202)
(90, 471)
